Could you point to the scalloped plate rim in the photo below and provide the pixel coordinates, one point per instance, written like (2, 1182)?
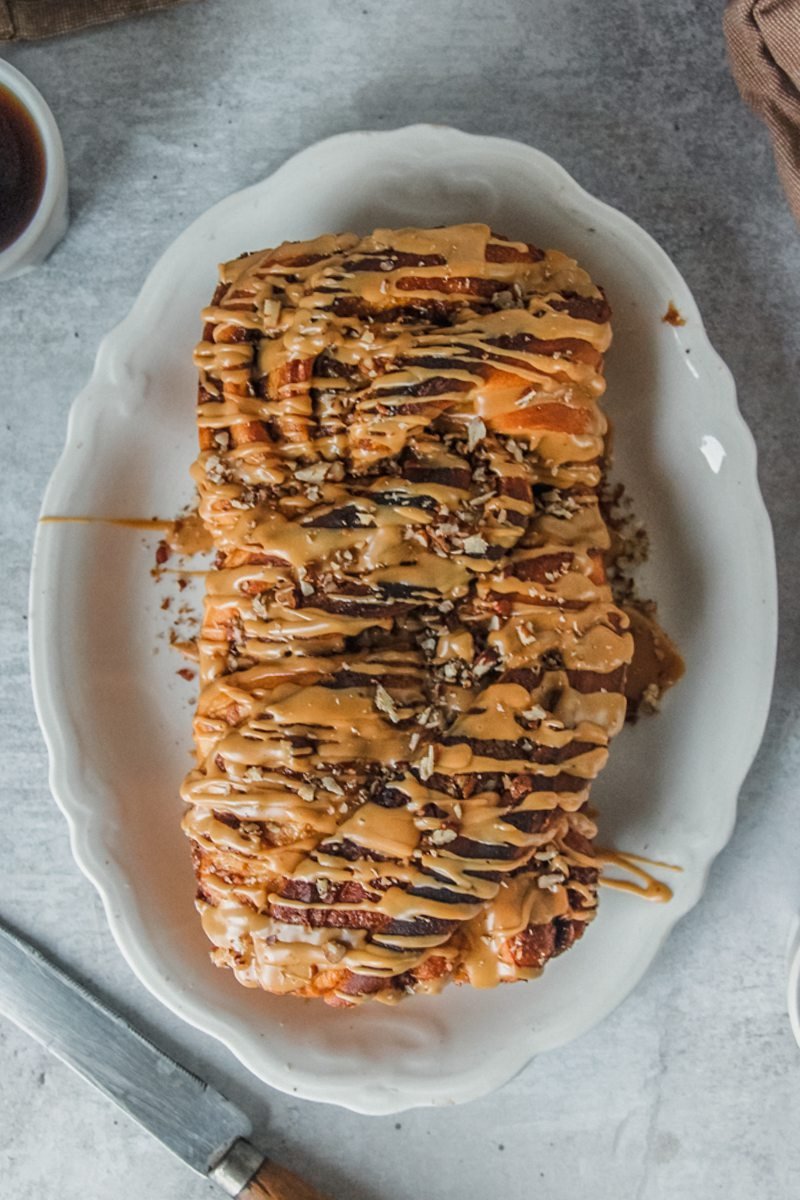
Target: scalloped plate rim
(65, 784)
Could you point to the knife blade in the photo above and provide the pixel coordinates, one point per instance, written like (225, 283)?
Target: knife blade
(191, 1118)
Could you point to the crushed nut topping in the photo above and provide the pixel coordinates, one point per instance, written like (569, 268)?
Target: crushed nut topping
(316, 473)
(334, 950)
(426, 763)
(215, 471)
(385, 703)
(476, 432)
(475, 544)
(551, 882)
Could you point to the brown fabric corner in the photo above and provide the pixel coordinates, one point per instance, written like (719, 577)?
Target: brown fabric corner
(6, 24)
(26, 20)
(764, 48)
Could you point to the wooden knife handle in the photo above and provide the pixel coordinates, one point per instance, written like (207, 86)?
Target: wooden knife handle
(272, 1182)
(244, 1172)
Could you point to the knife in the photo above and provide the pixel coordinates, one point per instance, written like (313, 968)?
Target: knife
(190, 1117)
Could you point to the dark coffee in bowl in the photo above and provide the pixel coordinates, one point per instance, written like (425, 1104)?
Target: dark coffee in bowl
(22, 168)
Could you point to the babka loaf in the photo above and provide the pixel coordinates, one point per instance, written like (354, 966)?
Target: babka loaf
(411, 661)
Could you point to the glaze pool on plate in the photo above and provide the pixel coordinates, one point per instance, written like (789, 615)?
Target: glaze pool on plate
(116, 716)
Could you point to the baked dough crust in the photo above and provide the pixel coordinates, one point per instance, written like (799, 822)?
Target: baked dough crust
(411, 661)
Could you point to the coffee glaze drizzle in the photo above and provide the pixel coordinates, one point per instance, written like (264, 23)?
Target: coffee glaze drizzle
(411, 662)
(644, 883)
(146, 523)
(186, 535)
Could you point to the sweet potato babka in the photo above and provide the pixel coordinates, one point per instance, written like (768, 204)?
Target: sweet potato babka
(411, 660)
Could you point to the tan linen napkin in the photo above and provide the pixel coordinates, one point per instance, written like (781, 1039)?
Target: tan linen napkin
(764, 47)
(24, 20)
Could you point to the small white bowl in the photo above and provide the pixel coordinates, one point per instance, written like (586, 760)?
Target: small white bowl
(49, 223)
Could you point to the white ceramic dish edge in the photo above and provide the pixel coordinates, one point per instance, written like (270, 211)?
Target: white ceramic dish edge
(66, 766)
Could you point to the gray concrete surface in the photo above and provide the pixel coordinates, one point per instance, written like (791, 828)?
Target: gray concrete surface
(692, 1086)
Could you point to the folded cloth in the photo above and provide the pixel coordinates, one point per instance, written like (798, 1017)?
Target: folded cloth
(764, 47)
(24, 20)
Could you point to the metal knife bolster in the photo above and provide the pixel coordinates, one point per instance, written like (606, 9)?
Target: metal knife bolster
(237, 1167)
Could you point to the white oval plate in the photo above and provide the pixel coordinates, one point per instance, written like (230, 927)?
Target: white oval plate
(117, 720)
